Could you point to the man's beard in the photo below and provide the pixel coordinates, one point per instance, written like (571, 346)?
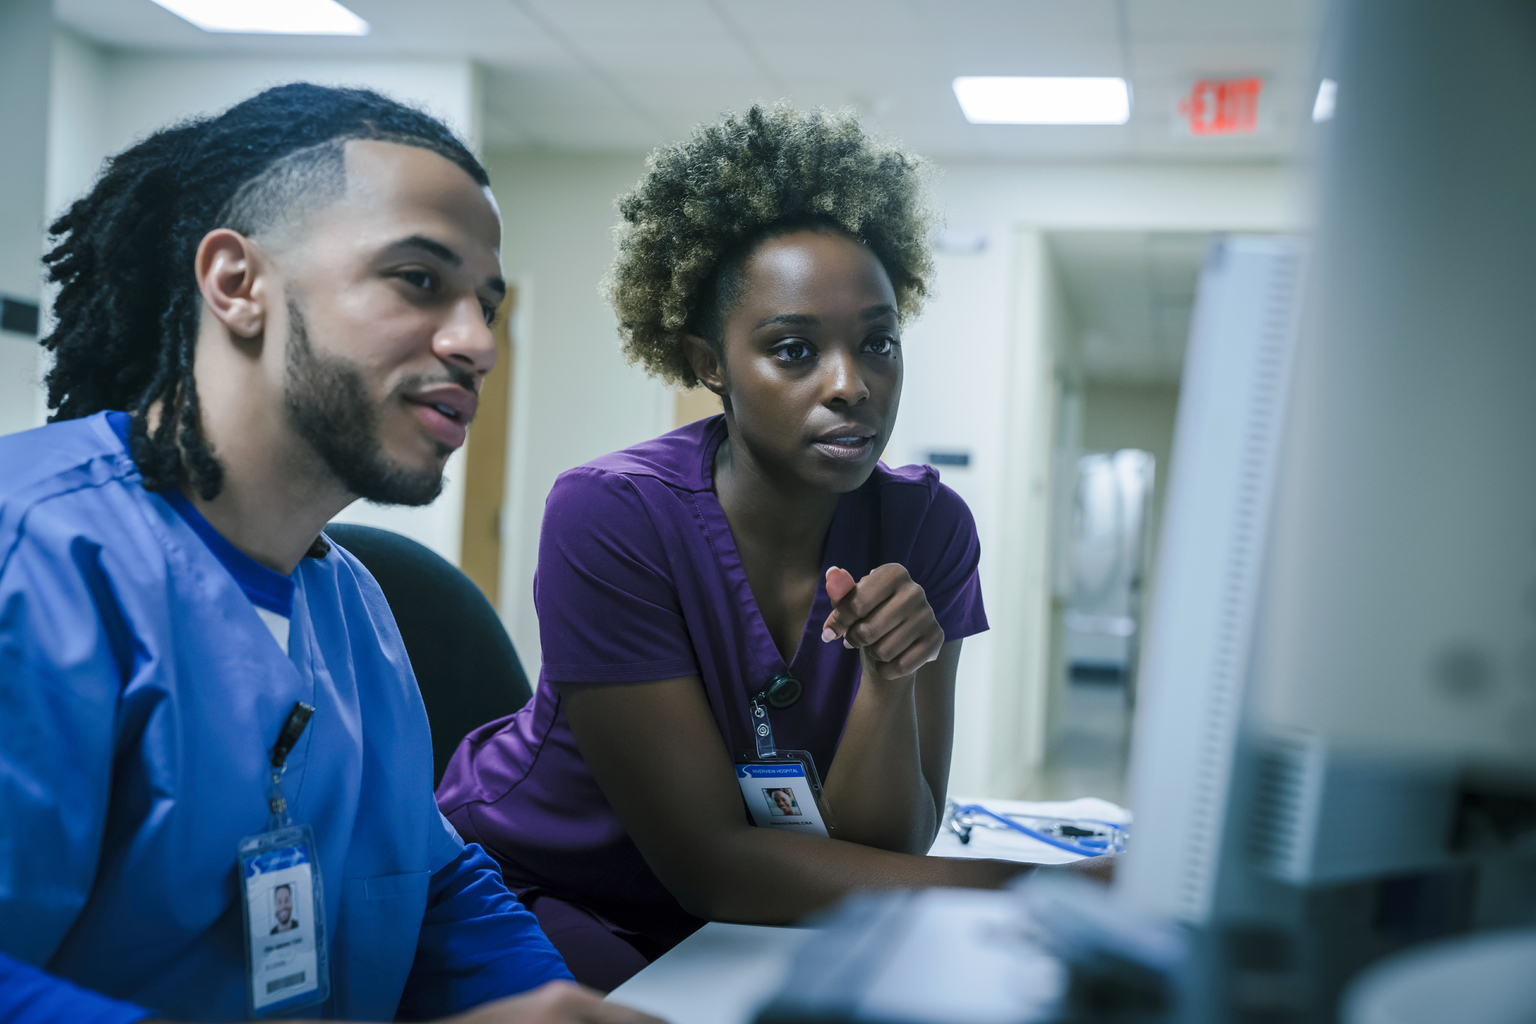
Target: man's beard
(329, 406)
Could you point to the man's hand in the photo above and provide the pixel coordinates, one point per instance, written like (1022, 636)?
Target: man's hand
(886, 616)
(556, 1002)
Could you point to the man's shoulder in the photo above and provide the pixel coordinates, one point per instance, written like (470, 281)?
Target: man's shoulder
(60, 457)
(72, 475)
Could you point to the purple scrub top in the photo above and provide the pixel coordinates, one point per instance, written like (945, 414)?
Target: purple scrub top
(639, 580)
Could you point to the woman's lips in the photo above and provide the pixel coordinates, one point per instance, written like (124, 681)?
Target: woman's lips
(851, 448)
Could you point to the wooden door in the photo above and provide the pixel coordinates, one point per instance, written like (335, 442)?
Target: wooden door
(485, 465)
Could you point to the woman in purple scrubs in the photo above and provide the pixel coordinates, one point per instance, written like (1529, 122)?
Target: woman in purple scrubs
(772, 259)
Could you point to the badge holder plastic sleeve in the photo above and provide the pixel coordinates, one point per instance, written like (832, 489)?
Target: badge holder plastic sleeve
(802, 760)
(281, 974)
(275, 963)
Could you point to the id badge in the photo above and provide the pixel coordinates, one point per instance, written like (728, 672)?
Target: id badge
(284, 912)
(785, 793)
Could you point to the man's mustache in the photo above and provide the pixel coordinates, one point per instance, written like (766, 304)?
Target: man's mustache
(452, 374)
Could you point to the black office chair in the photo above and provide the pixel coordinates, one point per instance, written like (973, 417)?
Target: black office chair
(465, 664)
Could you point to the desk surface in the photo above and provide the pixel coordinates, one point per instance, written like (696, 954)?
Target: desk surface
(720, 974)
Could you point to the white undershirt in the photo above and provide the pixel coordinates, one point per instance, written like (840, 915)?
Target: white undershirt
(277, 624)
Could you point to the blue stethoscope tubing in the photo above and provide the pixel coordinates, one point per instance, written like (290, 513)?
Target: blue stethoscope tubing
(1097, 848)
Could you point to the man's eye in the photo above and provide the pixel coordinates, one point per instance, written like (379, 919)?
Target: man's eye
(489, 312)
(418, 278)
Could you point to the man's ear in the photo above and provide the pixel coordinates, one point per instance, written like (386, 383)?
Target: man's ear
(706, 365)
(229, 270)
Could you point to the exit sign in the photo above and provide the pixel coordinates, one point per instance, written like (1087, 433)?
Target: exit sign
(1221, 106)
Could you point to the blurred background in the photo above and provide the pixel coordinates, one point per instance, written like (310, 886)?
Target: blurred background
(1042, 380)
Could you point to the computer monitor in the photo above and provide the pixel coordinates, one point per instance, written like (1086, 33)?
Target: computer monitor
(1335, 747)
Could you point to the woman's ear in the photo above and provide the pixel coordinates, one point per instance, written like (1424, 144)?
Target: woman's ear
(227, 267)
(706, 365)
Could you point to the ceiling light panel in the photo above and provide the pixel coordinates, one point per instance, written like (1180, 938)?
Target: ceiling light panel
(1000, 100)
(269, 17)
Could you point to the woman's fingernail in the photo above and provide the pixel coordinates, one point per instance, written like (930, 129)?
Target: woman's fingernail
(847, 644)
(827, 636)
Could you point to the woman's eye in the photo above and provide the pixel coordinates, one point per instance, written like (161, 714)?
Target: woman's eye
(881, 346)
(793, 351)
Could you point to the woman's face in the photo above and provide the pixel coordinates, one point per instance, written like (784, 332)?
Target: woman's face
(812, 368)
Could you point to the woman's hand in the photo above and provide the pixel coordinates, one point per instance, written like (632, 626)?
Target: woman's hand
(886, 616)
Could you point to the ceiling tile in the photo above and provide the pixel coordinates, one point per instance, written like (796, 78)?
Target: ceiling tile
(614, 74)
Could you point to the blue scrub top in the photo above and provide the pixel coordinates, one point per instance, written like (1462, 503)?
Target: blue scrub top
(140, 693)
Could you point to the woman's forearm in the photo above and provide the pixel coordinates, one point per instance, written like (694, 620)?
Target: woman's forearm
(875, 784)
(764, 876)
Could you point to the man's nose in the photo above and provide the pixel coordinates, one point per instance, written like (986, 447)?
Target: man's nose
(466, 339)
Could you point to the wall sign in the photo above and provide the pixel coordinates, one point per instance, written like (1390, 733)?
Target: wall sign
(1221, 106)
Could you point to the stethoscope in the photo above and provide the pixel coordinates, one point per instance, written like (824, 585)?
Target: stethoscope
(1086, 837)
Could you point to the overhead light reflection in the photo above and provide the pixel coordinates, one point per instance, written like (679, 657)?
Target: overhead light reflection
(269, 17)
(1327, 93)
(1015, 100)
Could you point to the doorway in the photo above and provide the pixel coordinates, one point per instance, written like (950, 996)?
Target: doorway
(1130, 297)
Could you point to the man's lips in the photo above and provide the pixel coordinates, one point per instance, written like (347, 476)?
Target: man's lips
(445, 411)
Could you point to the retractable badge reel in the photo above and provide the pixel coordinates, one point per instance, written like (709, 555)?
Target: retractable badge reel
(781, 787)
(284, 909)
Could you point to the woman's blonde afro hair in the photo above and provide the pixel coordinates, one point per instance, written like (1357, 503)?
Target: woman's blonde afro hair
(737, 180)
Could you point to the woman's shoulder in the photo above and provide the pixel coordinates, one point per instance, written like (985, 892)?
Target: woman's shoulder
(924, 524)
(636, 495)
(917, 489)
(676, 459)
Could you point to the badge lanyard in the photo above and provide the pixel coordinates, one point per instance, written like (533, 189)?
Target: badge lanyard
(282, 903)
(781, 788)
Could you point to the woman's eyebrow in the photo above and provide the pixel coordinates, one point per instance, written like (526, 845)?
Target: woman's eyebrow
(793, 319)
(877, 311)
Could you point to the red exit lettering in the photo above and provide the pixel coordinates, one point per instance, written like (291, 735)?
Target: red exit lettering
(1222, 106)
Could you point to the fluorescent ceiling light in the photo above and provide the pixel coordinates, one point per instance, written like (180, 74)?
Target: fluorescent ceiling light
(269, 17)
(1044, 100)
(1327, 93)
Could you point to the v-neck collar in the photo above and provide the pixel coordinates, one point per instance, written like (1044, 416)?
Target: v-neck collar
(765, 652)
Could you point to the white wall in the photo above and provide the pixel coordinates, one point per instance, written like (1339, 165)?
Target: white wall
(26, 28)
(102, 101)
(573, 395)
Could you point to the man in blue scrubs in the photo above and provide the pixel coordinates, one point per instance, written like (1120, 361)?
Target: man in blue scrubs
(263, 317)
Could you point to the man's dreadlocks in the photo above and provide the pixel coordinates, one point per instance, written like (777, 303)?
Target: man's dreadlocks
(128, 307)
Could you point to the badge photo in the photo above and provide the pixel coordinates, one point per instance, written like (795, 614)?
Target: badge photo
(779, 795)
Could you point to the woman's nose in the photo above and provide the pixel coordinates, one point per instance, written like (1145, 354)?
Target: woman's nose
(845, 384)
